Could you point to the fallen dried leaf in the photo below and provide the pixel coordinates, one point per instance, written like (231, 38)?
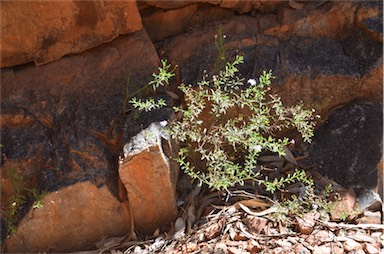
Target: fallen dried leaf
(265, 212)
(337, 248)
(352, 245)
(322, 249)
(255, 224)
(350, 226)
(255, 203)
(362, 238)
(369, 248)
(289, 156)
(234, 250)
(221, 247)
(253, 247)
(300, 249)
(283, 243)
(213, 230)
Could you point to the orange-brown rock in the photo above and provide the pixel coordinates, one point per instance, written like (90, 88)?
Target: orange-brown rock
(344, 205)
(60, 122)
(162, 24)
(246, 6)
(334, 21)
(370, 20)
(43, 31)
(71, 219)
(322, 72)
(172, 4)
(149, 175)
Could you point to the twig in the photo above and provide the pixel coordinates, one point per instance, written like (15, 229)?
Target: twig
(350, 226)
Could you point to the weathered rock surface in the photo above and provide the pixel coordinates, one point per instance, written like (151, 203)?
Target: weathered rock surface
(149, 175)
(348, 146)
(43, 32)
(163, 24)
(172, 4)
(72, 218)
(324, 70)
(61, 121)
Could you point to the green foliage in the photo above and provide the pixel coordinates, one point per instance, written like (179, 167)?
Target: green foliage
(18, 199)
(160, 79)
(244, 118)
(229, 144)
(163, 77)
(299, 206)
(279, 184)
(148, 104)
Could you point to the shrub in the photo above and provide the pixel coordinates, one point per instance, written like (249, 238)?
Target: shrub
(243, 120)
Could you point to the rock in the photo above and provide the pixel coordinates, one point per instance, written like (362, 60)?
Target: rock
(172, 4)
(237, 5)
(66, 27)
(370, 21)
(330, 20)
(306, 224)
(369, 201)
(370, 218)
(321, 72)
(344, 205)
(149, 175)
(60, 123)
(71, 219)
(162, 24)
(357, 128)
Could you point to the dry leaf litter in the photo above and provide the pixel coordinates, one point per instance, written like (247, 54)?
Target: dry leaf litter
(242, 221)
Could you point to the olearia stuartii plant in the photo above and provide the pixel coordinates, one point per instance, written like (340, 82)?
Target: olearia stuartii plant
(229, 144)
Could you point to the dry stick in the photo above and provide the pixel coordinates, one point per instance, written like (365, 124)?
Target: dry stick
(349, 226)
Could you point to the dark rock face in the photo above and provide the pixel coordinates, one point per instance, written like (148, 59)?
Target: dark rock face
(62, 123)
(71, 110)
(348, 146)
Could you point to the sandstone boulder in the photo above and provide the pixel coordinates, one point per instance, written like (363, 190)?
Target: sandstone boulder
(61, 123)
(71, 219)
(149, 175)
(43, 31)
(348, 146)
